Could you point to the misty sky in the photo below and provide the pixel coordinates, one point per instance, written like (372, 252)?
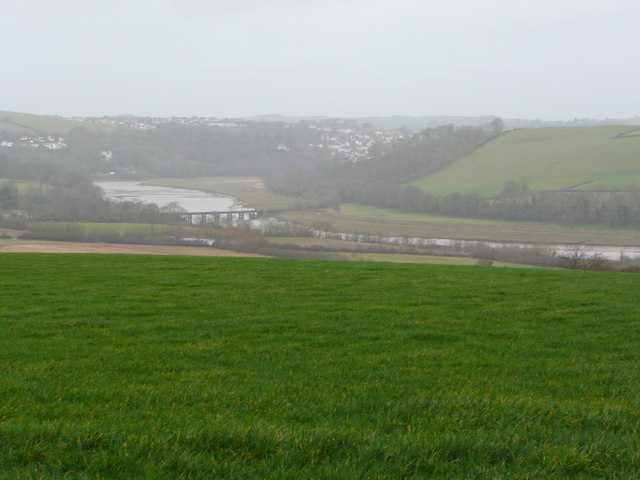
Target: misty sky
(547, 59)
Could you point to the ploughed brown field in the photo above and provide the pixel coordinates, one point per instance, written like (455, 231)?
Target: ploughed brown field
(82, 247)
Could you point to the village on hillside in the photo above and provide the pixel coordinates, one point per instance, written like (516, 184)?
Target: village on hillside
(349, 140)
(39, 141)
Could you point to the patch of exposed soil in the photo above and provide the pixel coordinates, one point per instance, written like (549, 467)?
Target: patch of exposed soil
(81, 247)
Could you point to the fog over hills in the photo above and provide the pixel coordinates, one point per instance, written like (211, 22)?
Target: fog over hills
(416, 123)
(356, 59)
(31, 123)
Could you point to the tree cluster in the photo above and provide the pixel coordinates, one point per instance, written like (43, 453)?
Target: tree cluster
(57, 193)
(174, 150)
(616, 209)
(379, 180)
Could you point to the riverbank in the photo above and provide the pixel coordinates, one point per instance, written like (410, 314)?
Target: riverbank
(367, 220)
(509, 241)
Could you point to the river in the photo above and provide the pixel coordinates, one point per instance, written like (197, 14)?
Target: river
(608, 252)
(198, 201)
(190, 200)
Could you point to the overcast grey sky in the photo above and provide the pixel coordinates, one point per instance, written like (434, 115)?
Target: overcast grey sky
(548, 59)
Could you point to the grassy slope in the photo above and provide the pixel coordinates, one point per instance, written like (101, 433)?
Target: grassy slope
(549, 158)
(43, 124)
(148, 367)
(13, 121)
(378, 221)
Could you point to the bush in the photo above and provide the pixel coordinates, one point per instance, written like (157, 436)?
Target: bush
(13, 222)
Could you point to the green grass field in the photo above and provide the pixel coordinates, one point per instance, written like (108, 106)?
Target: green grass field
(23, 186)
(16, 122)
(548, 158)
(120, 228)
(125, 367)
(369, 220)
(91, 229)
(424, 259)
(248, 190)
(29, 123)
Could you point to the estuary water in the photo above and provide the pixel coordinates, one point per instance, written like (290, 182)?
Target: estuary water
(190, 200)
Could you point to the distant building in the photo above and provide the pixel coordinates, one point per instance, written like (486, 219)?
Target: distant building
(53, 146)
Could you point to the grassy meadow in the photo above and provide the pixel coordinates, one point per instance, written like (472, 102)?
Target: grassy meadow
(424, 259)
(366, 252)
(592, 158)
(24, 186)
(140, 232)
(121, 367)
(368, 220)
(90, 228)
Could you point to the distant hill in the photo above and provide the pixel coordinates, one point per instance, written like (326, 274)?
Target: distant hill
(417, 123)
(561, 158)
(284, 118)
(411, 123)
(31, 124)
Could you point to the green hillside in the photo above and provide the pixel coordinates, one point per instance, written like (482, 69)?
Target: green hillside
(28, 123)
(126, 367)
(549, 159)
(25, 185)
